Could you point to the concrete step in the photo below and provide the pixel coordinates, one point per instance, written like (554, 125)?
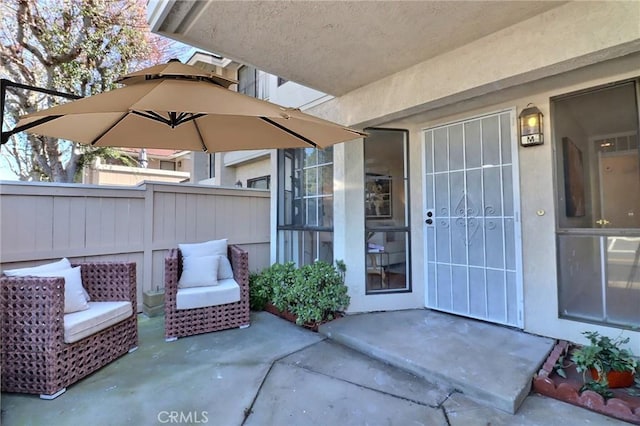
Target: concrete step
(492, 364)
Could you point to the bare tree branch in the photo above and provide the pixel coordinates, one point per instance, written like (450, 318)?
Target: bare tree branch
(75, 46)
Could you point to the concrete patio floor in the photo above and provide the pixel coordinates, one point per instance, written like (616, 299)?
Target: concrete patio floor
(275, 373)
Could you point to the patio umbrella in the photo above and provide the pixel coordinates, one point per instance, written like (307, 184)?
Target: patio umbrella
(178, 106)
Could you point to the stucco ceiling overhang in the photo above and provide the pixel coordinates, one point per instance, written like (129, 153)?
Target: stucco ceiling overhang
(335, 46)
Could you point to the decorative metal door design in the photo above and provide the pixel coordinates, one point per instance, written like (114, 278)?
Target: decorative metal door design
(472, 238)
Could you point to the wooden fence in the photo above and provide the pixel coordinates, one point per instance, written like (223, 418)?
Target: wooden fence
(42, 222)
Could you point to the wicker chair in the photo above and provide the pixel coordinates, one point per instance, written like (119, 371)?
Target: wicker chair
(187, 322)
(35, 358)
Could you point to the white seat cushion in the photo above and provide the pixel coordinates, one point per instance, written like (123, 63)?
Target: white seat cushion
(227, 291)
(99, 316)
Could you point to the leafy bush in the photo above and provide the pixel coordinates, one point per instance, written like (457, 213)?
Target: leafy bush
(280, 278)
(313, 292)
(317, 293)
(266, 286)
(259, 294)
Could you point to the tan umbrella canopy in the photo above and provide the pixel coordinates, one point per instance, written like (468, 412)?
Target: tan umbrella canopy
(178, 106)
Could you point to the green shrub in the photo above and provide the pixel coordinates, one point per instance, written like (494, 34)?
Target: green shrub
(282, 277)
(266, 286)
(313, 292)
(259, 294)
(317, 292)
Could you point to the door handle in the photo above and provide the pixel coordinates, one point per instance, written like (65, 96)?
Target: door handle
(429, 220)
(602, 222)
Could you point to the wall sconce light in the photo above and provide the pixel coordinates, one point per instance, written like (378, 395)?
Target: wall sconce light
(531, 126)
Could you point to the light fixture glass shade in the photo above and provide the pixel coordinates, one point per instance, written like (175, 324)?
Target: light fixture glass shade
(531, 126)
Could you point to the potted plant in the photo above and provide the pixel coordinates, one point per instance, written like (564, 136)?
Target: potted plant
(610, 365)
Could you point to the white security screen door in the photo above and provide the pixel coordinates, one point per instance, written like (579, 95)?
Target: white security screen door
(473, 253)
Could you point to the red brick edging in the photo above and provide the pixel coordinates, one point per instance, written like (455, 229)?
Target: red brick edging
(563, 391)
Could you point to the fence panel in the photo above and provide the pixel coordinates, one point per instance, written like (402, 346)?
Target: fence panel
(41, 222)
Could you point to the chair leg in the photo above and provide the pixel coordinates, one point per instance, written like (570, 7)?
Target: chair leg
(53, 395)
(133, 349)
(245, 326)
(170, 339)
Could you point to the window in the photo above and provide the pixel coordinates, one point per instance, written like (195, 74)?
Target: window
(305, 205)
(386, 203)
(598, 202)
(212, 165)
(247, 80)
(167, 165)
(263, 182)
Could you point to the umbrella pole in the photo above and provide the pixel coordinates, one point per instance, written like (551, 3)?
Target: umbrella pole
(4, 84)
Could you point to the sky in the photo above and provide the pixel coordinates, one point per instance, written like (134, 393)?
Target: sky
(185, 52)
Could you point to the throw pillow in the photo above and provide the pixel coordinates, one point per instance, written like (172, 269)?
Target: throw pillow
(60, 265)
(74, 299)
(199, 271)
(47, 267)
(224, 269)
(208, 248)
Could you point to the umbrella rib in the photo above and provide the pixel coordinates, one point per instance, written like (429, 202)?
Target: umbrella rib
(174, 120)
(204, 147)
(291, 132)
(6, 135)
(152, 115)
(182, 119)
(93, 142)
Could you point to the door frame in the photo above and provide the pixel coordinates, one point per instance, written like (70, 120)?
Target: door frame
(515, 167)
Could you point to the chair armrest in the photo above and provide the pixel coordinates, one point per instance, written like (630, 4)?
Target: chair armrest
(240, 264)
(110, 281)
(171, 271)
(32, 312)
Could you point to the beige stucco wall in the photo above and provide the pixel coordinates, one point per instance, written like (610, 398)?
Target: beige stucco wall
(253, 170)
(537, 188)
(570, 48)
(565, 38)
(129, 176)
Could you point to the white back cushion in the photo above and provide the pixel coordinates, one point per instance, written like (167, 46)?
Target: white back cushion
(199, 271)
(74, 299)
(208, 248)
(47, 267)
(60, 265)
(224, 269)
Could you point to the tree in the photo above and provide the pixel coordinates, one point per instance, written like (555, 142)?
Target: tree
(72, 46)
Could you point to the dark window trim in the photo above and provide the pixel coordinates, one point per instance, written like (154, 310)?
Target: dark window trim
(406, 229)
(305, 228)
(281, 81)
(258, 179)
